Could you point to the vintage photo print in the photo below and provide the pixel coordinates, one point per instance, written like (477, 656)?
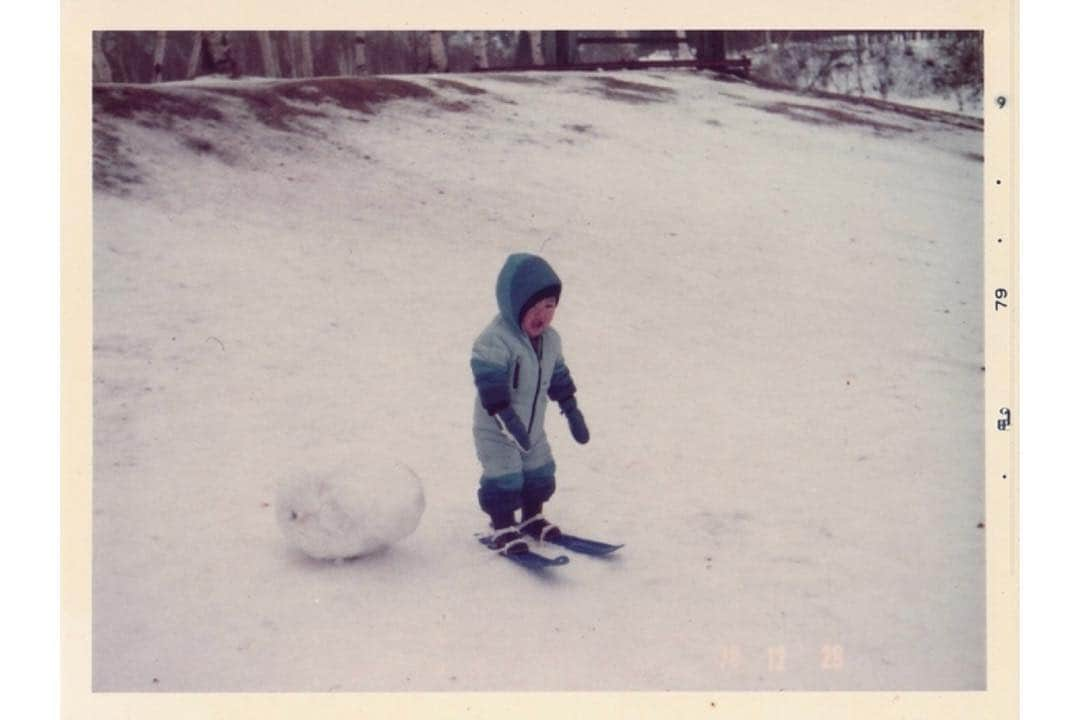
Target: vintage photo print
(540, 366)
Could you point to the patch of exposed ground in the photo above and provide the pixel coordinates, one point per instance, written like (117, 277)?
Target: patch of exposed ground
(630, 92)
(274, 104)
(522, 78)
(816, 115)
(203, 146)
(278, 103)
(928, 115)
(453, 105)
(444, 84)
(282, 105)
(151, 106)
(113, 170)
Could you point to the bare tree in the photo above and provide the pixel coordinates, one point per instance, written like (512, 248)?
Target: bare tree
(292, 53)
(784, 37)
(885, 75)
(360, 66)
(289, 47)
(437, 58)
(271, 68)
(196, 54)
(960, 70)
(480, 55)
(115, 58)
(159, 56)
(825, 69)
(306, 59)
(860, 44)
(102, 71)
(536, 46)
(343, 57)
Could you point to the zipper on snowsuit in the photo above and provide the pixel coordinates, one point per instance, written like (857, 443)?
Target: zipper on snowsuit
(539, 350)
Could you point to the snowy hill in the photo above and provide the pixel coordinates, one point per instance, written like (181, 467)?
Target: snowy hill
(772, 308)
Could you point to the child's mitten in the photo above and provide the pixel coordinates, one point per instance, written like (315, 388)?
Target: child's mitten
(578, 429)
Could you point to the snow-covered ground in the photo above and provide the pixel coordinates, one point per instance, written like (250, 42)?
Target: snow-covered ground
(772, 309)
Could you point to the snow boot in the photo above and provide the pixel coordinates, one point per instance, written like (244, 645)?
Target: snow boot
(508, 541)
(538, 528)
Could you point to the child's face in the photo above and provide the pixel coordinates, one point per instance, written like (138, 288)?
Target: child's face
(538, 317)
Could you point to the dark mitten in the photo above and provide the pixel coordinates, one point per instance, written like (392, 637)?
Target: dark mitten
(578, 429)
(512, 426)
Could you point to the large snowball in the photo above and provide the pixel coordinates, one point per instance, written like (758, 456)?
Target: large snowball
(346, 513)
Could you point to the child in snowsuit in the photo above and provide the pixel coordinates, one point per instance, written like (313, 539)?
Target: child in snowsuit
(517, 365)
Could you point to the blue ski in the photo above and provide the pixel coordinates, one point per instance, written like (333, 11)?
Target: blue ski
(584, 545)
(530, 560)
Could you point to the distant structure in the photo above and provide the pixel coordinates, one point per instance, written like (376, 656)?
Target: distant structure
(700, 49)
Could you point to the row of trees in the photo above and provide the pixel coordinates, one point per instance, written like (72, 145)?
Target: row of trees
(156, 56)
(143, 57)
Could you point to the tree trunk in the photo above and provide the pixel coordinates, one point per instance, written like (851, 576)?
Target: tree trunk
(537, 47)
(480, 55)
(307, 57)
(344, 60)
(102, 71)
(859, 63)
(115, 59)
(196, 54)
(292, 46)
(437, 59)
(289, 48)
(360, 66)
(269, 58)
(159, 56)
(683, 52)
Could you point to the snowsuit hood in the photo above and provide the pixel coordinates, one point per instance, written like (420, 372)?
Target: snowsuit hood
(524, 280)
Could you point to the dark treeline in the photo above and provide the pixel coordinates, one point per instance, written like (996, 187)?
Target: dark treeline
(143, 57)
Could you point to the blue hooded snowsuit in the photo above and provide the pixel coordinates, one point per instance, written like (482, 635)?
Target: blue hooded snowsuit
(509, 370)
